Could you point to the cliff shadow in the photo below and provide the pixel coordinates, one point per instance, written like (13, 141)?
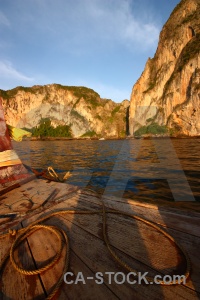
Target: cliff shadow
(159, 185)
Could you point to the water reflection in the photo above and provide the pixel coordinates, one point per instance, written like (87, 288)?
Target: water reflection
(92, 162)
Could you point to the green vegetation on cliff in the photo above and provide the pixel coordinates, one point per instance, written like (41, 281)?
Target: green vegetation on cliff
(45, 129)
(12, 93)
(153, 128)
(115, 110)
(80, 108)
(90, 134)
(79, 91)
(190, 51)
(89, 95)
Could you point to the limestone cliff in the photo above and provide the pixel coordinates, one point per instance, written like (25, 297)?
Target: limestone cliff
(168, 91)
(80, 107)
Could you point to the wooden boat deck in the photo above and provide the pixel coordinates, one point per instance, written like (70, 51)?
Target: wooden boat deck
(138, 244)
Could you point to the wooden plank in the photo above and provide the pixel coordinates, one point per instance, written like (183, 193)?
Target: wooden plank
(84, 229)
(15, 285)
(79, 237)
(102, 262)
(15, 184)
(191, 245)
(189, 242)
(172, 219)
(146, 237)
(150, 251)
(43, 251)
(43, 247)
(31, 198)
(83, 291)
(93, 252)
(65, 190)
(178, 221)
(72, 291)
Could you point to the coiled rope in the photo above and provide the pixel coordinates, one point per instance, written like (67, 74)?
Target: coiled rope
(63, 241)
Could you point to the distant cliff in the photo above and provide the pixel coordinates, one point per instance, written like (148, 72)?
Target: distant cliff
(168, 91)
(79, 107)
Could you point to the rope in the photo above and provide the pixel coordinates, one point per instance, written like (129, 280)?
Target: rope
(127, 267)
(61, 235)
(53, 173)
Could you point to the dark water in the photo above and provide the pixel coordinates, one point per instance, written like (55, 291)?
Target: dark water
(121, 167)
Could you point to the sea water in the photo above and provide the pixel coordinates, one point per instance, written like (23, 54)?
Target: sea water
(119, 167)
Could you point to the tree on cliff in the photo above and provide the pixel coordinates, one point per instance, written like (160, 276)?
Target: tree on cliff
(46, 129)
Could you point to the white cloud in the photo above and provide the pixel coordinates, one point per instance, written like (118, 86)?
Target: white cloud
(115, 20)
(8, 71)
(4, 20)
(96, 22)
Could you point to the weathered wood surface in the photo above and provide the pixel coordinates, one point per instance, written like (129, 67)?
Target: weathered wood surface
(139, 245)
(31, 198)
(14, 284)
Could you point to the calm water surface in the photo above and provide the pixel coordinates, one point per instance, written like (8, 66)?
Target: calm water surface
(123, 167)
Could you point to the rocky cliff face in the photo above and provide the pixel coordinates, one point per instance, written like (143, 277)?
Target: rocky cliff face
(79, 107)
(168, 91)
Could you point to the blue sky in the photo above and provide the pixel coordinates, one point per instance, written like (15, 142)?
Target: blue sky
(100, 44)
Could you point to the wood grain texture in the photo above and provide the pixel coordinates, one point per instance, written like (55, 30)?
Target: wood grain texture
(88, 228)
(15, 285)
(139, 245)
(30, 198)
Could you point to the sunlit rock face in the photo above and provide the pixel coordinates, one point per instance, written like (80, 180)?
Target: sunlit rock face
(168, 91)
(80, 107)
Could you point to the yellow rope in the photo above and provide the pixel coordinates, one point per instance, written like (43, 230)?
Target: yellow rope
(23, 236)
(53, 173)
(60, 234)
(127, 267)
